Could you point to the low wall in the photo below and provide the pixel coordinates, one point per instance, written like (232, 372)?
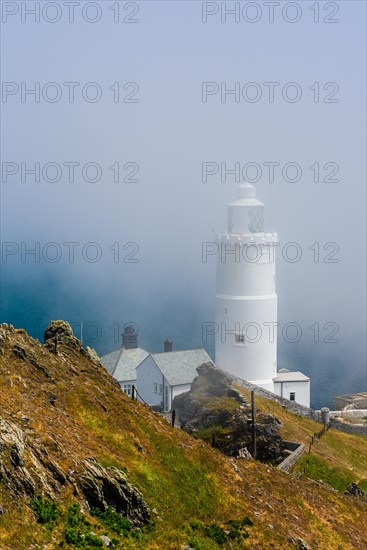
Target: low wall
(291, 406)
(350, 413)
(359, 429)
(291, 460)
(301, 410)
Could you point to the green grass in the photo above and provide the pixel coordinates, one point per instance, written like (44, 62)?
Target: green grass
(188, 481)
(316, 467)
(338, 458)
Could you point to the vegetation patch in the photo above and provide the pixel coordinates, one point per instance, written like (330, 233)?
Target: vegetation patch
(203, 536)
(46, 510)
(113, 521)
(78, 530)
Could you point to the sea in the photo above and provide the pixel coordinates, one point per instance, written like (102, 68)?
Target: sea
(98, 315)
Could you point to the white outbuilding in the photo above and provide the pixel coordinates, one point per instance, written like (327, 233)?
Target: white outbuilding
(293, 385)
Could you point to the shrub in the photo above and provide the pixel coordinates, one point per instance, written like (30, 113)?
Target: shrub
(74, 517)
(216, 533)
(78, 539)
(233, 530)
(247, 521)
(195, 543)
(45, 509)
(77, 530)
(195, 524)
(114, 521)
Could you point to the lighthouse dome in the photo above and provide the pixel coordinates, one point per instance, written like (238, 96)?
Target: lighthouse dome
(245, 191)
(246, 213)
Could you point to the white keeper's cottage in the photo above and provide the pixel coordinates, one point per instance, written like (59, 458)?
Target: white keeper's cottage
(158, 377)
(162, 376)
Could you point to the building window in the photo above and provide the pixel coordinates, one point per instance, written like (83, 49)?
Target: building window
(160, 388)
(292, 396)
(127, 389)
(239, 338)
(226, 311)
(155, 387)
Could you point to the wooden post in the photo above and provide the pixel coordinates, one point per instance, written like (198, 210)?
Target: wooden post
(133, 392)
(253, 416)
(213, 440)
(56, 341)
(173, 418)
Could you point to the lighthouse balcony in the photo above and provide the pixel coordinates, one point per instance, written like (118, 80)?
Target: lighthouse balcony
(248, 238)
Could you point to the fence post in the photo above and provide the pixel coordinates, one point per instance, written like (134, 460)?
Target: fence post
(253, 417)
(173, 418)
(133, 392)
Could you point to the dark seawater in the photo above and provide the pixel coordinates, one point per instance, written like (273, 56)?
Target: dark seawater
(99, 315)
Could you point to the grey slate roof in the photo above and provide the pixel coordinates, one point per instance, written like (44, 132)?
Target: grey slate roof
(179, 367)
(122, 362)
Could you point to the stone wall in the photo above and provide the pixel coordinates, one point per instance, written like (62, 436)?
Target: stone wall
(350, 413)
(291, 406)
(359, 429)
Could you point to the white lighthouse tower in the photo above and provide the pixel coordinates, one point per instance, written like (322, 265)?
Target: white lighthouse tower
(246, 300)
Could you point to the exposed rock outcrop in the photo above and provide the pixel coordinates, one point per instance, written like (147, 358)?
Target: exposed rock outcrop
(108, 487)
(24, 466)
(62, 333)
(215, 408)
(354, 490)
(91, 354)
(298, 543)
(25, 355)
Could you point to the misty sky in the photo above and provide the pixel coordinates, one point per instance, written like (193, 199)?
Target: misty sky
(168, 133)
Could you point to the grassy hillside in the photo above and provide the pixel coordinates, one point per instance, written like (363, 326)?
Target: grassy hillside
(70, 408)
(337, 458)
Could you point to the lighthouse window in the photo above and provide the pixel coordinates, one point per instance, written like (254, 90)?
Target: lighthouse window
(239, 338)
(226, 311)
(292, 396)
